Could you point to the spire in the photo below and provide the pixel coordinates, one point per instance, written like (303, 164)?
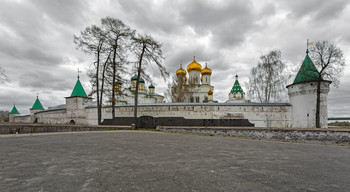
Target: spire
(78, 90)
(307, 71)
(14, 110)
(79, 72)
(37, 104)
(236, 87)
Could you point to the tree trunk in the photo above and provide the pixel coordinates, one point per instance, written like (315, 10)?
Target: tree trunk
(113, 81)
(137, 86)
(102, 84)
(98, 89)
(318, 102)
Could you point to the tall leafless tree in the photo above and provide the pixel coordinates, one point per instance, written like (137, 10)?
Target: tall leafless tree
(118, 36)
(268, 79)
(93, 40)
(147, 51)
(329, 61)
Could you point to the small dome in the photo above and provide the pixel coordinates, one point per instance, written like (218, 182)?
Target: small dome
(206, 70)
(151, 86)
(210, 92)
(134, 78)
(181, 71)
(194, 66)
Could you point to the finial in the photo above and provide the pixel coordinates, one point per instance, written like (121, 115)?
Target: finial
(37, 95)
(236, 76)
(194, 58)
(78, 72)
(181, 66)
(205, 65)
(307, 46)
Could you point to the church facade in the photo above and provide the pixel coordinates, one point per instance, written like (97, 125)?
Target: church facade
(299, 113)
(198, 82)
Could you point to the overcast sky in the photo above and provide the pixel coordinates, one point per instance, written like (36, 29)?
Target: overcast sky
(38, 54)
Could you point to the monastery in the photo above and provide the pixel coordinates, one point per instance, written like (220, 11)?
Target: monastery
(299, 113)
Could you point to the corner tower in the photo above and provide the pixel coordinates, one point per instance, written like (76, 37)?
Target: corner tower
(76, 103)
(303, 96)
(14, 112)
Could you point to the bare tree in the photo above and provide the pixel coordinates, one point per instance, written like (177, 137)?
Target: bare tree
(93, 40)
(267, 80)
(147, 51)
(330, 62)
(179, 91)
(118, 36)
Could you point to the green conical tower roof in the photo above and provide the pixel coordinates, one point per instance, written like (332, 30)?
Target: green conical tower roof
(236, 87)
(307, 71)
(78, 90)
(37, 104)
(14, 110)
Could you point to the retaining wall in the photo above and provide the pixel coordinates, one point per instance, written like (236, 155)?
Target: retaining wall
(310, 134)
(40, 128)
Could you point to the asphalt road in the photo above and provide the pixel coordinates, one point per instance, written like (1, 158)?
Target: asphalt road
(156, 161)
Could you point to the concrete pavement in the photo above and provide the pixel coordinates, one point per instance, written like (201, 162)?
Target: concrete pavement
(157, 161)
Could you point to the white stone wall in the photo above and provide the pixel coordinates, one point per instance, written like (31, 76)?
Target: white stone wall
(261, 116)
(52, 117)
(22, 119)
(303, 99)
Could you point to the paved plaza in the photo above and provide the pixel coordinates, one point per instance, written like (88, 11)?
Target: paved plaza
(157, 161)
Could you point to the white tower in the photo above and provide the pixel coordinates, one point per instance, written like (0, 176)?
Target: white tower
(303, 96)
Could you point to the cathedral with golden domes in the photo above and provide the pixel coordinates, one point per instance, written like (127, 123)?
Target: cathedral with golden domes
(201, 91)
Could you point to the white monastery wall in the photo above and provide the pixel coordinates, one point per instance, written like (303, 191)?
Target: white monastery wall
(260, 115)
(52, 117)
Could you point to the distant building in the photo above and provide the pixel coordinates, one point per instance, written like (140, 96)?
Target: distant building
(200, 79)
(236, 94)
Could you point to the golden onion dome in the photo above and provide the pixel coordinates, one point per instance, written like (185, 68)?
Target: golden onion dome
(210, 92)
(206, 70)
(181, 71)
(194, 66)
